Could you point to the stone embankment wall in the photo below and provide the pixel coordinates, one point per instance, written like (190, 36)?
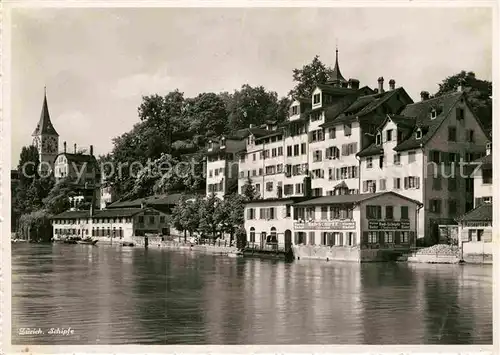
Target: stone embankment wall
(437, 254)
(344, 253)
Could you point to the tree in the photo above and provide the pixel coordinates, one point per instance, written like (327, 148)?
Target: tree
(241, 238)
(231, 214)
(35, 226)
(249, 191)
(251, 105)
(57, 200)
(179, 216)
(28, 165)
(308, 77)
(206, 115)
(479, 93)
(209, 224)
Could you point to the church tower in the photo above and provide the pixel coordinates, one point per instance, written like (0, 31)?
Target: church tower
(45, 138)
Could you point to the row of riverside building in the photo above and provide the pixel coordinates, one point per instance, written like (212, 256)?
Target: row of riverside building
(357, 167)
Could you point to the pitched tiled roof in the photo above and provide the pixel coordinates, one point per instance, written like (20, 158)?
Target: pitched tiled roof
(245, 132)
(335, 90)
(341, 185)
(420, 111)
(348, 199)
(372, 149)
(275, 199)
(403, 121)
(44, 125)
(164, 200)
(483, 212)
(119, 212)
(79, 158)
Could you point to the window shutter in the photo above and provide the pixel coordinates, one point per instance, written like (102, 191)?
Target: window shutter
(337, 174)
(341, 238)
(365, 186)
(406, 183)
(417, 182)
(355, 147)
(379, 212)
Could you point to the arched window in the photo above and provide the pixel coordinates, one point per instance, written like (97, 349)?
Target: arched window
(252, 235)
(274, 237)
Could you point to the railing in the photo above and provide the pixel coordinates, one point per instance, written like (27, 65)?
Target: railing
(268, 248)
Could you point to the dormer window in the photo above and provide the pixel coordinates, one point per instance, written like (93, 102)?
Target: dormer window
(378, 139)
(419, 134)
(433, 113)
(295, 110)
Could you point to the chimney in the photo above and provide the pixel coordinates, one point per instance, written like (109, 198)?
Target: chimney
(392, 84)
(380, 84)
(424, 95)
(91, 149)
(75, 147)
(353, 84)
(64, 144)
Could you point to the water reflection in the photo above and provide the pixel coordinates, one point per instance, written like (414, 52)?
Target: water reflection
(115, 295)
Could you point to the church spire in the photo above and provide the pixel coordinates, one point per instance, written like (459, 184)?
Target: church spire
(44, 125)
(335, 77)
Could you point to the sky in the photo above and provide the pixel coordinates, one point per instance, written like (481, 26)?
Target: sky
(98, 63)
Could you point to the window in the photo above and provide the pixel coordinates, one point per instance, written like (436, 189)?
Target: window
(411, 157)
(288, 211)
(404, 237)
(273, 152)
(452, 184)
(378, 139)
(316, 99)
(452, 134)
(315, 116)
(311, 238)
(295, 150)
(347, 129)
(295, 110)
(210, 173)
(412, 182)
(141, 219)
(369, 186)
(254, 156)
(469, 184)
(381, 162)
(388, 237)
(389, 212)
(280, 151)
(404, 212)
(470, 136)
(324, 213)
(452, 207)
(252, 235)
(433, 113)
(435, 205)
(373, 212)
(279, 168)
(382, 184)
(389, 135)
(460, 113)
(251, 213)
(418, 134)
(372, 237)
(303, 149)
(436, 183)
(317, 155)
(435, 156)
(257, 188)
(332, 133)
(299, 188)
(254, 172)
(452, 158)
(269, 186)
(397, 159)
(288, 151)
(162, 219)
(397, 183)
(151, 219)
(288, 189)
(479, 234)
(369, 162)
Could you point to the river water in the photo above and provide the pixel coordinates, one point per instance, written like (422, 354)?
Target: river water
(120, 295)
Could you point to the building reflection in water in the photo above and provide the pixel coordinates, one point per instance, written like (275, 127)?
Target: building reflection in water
(114, 295)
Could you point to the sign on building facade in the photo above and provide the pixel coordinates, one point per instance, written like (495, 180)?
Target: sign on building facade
(325, 225)
(391, 225)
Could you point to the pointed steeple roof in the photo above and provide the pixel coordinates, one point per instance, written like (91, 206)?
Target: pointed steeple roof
(44, 125)
(335, 76)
